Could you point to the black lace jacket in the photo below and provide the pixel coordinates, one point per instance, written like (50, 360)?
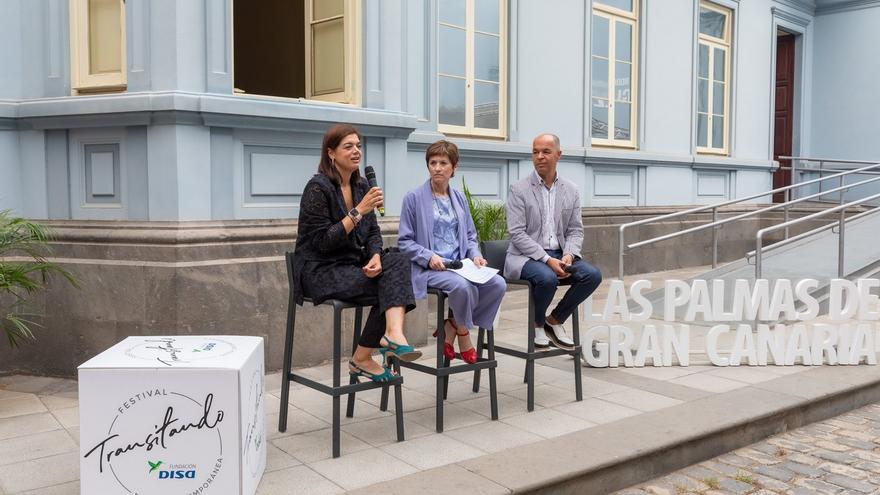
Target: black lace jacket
(321, 241)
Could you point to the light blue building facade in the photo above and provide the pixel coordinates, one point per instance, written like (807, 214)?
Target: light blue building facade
(645, 117)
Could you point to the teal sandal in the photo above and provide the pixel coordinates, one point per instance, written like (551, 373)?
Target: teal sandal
(403, 352)
(385, 376)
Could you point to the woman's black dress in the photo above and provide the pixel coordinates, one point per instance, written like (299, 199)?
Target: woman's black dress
(327, 262)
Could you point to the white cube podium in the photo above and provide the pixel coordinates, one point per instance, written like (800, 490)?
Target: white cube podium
(173, 415)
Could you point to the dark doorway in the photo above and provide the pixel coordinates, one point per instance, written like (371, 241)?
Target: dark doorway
(784, 115)
(269, 53)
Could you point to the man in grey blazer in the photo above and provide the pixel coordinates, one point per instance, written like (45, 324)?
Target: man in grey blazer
(546, 232)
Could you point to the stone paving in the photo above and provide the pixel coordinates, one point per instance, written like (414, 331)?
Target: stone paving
(836, 456)
(39, 424)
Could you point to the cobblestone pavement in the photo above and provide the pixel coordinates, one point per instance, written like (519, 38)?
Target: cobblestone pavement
(836, 456)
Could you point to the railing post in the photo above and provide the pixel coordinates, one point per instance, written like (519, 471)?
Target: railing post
(840, 184)
(785, 209)
(620, 247)
(758, 247)
(841, 242)
(714, 238)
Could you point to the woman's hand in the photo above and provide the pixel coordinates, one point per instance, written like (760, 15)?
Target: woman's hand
(436, 263)
(372, 200)
(480, 261)
(374, 267)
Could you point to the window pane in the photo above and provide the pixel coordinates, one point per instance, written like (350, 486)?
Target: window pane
(600, 36)
(451, 101)
(623, 41)
(105, 36)
(322, 9)
(452, 51)
(718, 132)
(718, 62)
(702, 126)
(452, 12)
(718, 98)
(622, 120)
(486, 105)
(600, 77)
(712, 23)
(486, 16)
(622, 81)
(328, 57)
(620, 4)
(703, 68)
(702, 95)
(600, 118)
(486, 57)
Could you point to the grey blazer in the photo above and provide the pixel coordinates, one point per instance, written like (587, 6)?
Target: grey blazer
(525, 222)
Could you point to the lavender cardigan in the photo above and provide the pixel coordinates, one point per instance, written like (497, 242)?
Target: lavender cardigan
(416, 233)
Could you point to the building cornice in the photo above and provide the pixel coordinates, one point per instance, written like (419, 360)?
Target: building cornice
(199, 109)
(805, 6)
(847, 6)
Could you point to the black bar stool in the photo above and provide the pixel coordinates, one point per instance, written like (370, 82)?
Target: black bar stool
(337, 390)
(495, 253)
(443, 370)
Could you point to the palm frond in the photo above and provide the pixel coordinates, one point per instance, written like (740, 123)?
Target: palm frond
(489, 218)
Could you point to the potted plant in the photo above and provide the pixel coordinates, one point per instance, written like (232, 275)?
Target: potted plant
(491, 224)
(24, 270)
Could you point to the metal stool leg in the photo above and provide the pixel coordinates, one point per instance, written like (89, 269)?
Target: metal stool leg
(288, 358)
(398, 403)
(578, 381)
(493, 392)
(356, 335)
(441, 380)
(480, 335)
(530, 361)
(337, 357)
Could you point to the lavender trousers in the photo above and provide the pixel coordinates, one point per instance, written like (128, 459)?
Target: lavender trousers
(472, 304)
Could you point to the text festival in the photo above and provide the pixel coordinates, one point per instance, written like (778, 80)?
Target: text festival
(843, 341)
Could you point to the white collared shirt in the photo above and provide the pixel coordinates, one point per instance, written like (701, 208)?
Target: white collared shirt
(548, 237)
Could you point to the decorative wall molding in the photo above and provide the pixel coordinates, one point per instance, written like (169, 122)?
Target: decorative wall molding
(847, 6)
(805, 6)
(785, 15)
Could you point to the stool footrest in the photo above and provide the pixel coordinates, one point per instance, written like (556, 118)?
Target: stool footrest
(481, 364)
(510, 351)
(343, 389)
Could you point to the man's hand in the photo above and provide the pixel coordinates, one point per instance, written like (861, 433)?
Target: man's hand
(480, 261)
(374, 267)
(557, 267)
(567, 259)
(436, 263)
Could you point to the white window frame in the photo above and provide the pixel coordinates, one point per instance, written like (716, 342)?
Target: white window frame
(351, 15)
(615, 16)
(724, 44)
(469, 129)
(80, 79)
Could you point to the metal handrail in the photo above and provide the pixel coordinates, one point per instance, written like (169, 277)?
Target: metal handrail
(841, 243)
(622, 246)
(750, 213)
(808, 233)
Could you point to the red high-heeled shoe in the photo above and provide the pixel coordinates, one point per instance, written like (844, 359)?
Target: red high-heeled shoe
(469, 356)
(448, 350)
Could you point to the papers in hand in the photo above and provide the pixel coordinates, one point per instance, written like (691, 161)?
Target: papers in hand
(474, 273)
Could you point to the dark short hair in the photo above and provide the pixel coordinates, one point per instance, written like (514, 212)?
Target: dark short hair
(442, 148)
(334, 135)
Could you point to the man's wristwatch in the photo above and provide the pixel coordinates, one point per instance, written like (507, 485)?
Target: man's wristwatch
(355, 215)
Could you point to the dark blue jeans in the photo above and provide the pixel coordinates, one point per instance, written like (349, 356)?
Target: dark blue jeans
(544, 282)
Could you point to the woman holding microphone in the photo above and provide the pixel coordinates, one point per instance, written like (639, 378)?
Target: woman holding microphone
(338, 253)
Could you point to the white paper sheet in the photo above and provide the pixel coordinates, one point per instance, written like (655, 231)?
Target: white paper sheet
(474, 273)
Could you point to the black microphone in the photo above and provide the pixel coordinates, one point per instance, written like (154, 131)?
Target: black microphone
(371, 180)
(569, 269)
(453, 264)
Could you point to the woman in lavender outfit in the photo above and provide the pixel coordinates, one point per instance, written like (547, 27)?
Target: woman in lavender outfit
(435, 227)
